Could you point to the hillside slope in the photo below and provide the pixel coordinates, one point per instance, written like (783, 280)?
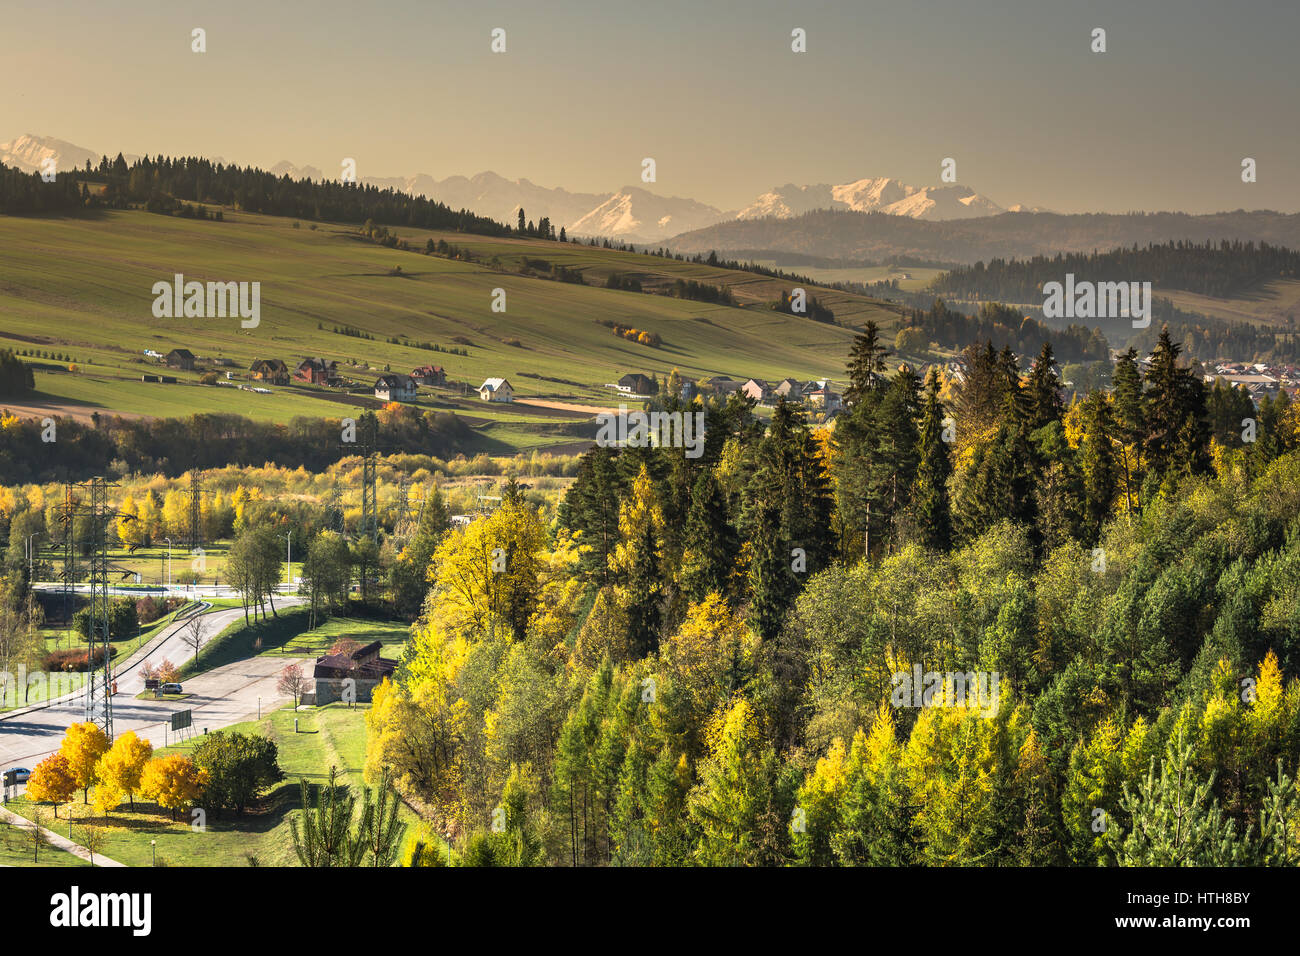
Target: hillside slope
(83, 287)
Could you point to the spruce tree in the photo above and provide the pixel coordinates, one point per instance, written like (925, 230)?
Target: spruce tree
(930, 506)
(710, 545)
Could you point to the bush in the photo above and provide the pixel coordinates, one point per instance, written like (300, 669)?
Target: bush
(149, 609)
(240, 768)
(73, 660)
(123, 622)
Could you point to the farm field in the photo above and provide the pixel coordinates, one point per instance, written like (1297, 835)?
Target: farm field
(1275, 303)
(80, 291)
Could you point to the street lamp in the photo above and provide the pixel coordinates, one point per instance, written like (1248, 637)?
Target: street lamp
(288, 539)
(169, 564)
(31, 552)
(153, 851)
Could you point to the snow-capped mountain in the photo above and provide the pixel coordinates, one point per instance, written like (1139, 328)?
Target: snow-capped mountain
(631, 214)
(873, 195)
(638, 214)
(28, 152)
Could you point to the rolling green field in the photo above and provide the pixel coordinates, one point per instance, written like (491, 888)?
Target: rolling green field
(1275, 304)
(82, 287)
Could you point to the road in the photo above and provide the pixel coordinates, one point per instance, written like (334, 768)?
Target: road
(218, 698)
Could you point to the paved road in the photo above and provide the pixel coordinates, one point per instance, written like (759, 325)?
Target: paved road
(218, 698)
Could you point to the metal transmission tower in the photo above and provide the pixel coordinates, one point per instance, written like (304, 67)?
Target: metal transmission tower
(68, 572)
(99, 683)
(334, 511)
(196, 510)
(369, 503)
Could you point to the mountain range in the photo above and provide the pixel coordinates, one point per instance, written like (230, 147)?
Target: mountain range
(631, 214)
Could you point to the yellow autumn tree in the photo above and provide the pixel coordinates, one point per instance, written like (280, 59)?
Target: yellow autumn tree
(83, 745)
(129, 531)
(817, 807)
(52, 782)
(173, 782)
(122, 767)
(487, 574)
(708, 657)
(175, 514)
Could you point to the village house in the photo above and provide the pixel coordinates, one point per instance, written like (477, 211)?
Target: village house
(634, 383)
(496, 390)
(317, 371)
(182, 359)
(429, 375)
(722, 384)
(758, 390)
(273, 371)
(789, 389)
(393, 387)
(823, 397)
(688, 390)
(349, 676)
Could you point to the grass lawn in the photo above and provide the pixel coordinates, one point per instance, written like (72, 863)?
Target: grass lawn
(67, 683)
(393, 635)
(241, 640)
(16, 849)
(331, 735)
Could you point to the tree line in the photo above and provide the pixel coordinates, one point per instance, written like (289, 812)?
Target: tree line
(698, 661)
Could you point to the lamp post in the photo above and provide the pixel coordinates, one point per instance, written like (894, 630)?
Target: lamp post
(288, 541)
(153, 852)
(31, 552)
(169, 564)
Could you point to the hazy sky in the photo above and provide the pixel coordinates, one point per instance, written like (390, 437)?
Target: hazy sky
(709, 88)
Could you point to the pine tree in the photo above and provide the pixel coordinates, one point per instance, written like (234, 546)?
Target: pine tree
(710, 545)
(1175, 819)
(866, 364)
(1044, 389)
(1097, 461)
(932, 515)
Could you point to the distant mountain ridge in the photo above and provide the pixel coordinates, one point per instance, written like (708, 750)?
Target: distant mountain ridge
(877, 237)
(885, 195)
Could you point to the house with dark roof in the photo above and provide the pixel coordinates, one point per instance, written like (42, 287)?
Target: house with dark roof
(789, 389)
(429, 375)
(634, 383)
(349, 677)
(392, 387)
(758, 390)
(317, 371)
(273, 371)
(182, 359)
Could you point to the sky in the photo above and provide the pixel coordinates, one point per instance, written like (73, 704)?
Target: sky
(1009, 89)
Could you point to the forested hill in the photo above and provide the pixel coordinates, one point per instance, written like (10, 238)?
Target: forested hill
(880, 237)
(163, 184)
(1220, 269)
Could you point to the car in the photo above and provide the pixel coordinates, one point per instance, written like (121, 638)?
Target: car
(171, 689)
(21, 774)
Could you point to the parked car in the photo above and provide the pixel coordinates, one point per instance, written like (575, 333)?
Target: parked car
(21, 774)
(171, 689)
